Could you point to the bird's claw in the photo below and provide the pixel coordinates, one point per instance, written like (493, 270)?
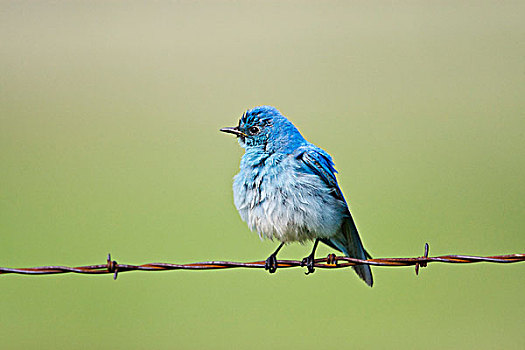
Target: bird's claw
(271, 264)
(309, 263)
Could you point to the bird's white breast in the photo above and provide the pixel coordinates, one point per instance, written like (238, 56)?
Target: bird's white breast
(281, 201)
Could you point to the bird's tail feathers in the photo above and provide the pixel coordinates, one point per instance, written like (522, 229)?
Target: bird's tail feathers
(349, 242)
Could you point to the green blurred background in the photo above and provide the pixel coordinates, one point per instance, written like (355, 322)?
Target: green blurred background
(109, 142)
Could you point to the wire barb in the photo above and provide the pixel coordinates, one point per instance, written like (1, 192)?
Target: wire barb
(424, 262)
(112, 267)
(331, 259)
(330, 262)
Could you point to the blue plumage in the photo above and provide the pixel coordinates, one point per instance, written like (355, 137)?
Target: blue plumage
(287, 190)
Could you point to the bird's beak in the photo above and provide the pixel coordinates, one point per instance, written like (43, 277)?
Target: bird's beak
(233, 130)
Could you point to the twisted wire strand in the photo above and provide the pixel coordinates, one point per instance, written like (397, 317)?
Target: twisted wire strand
(330, 262)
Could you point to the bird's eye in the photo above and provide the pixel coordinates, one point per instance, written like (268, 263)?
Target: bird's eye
(254, 130)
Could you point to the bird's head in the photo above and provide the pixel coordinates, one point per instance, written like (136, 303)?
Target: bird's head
(265, 128)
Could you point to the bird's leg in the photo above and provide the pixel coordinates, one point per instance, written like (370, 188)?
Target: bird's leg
(271, 262)
(310, 259)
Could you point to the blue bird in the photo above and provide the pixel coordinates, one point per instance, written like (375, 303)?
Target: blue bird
(287, 191)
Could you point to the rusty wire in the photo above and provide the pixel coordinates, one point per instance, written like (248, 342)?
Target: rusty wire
(330, 262)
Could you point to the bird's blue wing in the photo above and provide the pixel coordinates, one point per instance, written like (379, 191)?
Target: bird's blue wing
(320, 163)
(347, 239)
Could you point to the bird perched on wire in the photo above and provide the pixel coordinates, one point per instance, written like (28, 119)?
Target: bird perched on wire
(287, 191)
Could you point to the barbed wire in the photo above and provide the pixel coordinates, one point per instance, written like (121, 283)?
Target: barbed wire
(330, 262)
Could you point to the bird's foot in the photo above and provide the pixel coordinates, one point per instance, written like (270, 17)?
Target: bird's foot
(271, 264)
(309, 263)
